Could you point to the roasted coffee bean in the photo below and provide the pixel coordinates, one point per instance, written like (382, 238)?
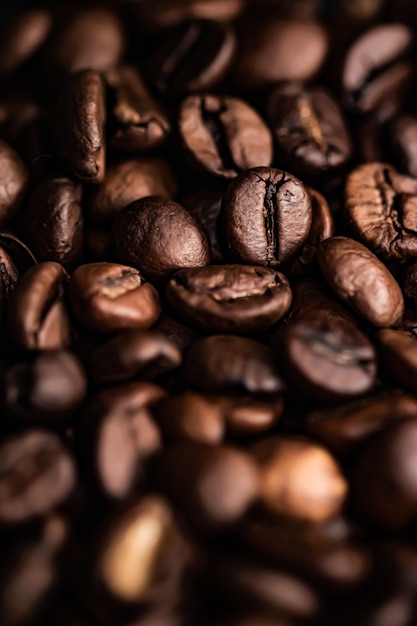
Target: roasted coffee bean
(205, 206)
(119, 437)
(18, 251)
(213, 485)
(37, 315)
(158, 237)
(245, 416)
(176, 331)
(140, 122)
(267, 216)
(230, 298)
(54, 222)
(9, 275)
(377, 67)
(21, 39)
(384, 478)
(311, 135)
(128, 181)
(361, 281)
(223, 136)
(79, 126)
(381, 210)
(191, 56)
(48, 388)
(37, 473)
(403, 137)
(14, 178)
(134, 354)
(275, 50)
(108, 297)
(345, 428)
(398, 354)
(249, 366)
(321, 348)
(166, 13)
(299, 479)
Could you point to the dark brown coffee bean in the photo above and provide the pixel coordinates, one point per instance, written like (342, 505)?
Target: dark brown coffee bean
(245, 415)
(377, 66)
(299, 479)
(276, 50)
(230, 298)
(191, 56)
(159, 237)
(403, 137)
(166, 13)
(223, 136)
(37, 315)
(345, 428)
(205, 206)
(134, 354)
(311, 134)
(248, 367)
(119, 437)
(18, 251)
(48, 388)
(36, 474)
(381, 209)
(14, 178)
(21, 38)
(140, 122)
(398, 353)
(384, 481)
(129, 181)
(361, 281)
(79, 126)
(54, 222)
(108, 297)
(267, 216)
(213, 485)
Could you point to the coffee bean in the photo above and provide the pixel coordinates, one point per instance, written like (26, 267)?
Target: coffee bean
(176, 331)
(398, 353)
(166, 13)
(37, 473)
(299, 479)
(54, 222)
(18, 251)
(14, 178)
(47, 389)
(205, 206)
(402, 136)
(249, 366)
(377, 67)
(128, 181)
(223, 136)
(361, 281)
(108, 297)
(22, 37)
(159, 237)
(266, 216)
(311, 134)
(140, 122)
(230, 298)
(194, 55)
(37, 316)
(381, 209)
(79, 120)
(246, 416)
(134, 354)
(9, 275)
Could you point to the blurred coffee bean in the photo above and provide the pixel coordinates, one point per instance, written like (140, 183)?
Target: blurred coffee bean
(180, 334)
(403, 137)
(166, 12)
(18, 251)
(398, 355)
(21, 38)
(14, 178)
(245, 416)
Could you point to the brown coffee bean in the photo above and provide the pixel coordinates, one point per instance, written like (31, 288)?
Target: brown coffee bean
(166, 13)
(176, 331)
(249, 366)
(21, 39)
(398, 354)
(37, 473)
(128, 181)
(18, 251)
(37, 316)
(79, 126)
(223, 136)
(361, 281)
(159, 237)
(14, 178)
(54, 222)
(140, 122)
(381, 207)
(402, 137)
(267, 216)
(300, 480)
(134, 354)
(108, 297)
(48, 388)
(246, 416)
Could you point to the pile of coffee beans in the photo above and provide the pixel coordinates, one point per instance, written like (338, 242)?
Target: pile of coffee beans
(208, 313)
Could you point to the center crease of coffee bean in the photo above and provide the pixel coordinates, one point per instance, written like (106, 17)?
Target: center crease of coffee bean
(212, 120)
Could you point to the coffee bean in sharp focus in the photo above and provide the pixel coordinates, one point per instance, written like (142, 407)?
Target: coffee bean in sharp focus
(361, 281)
(108, 297)
(158, 237)
(230, 298)
(266, 216)
(223, 136)
(381, 208)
